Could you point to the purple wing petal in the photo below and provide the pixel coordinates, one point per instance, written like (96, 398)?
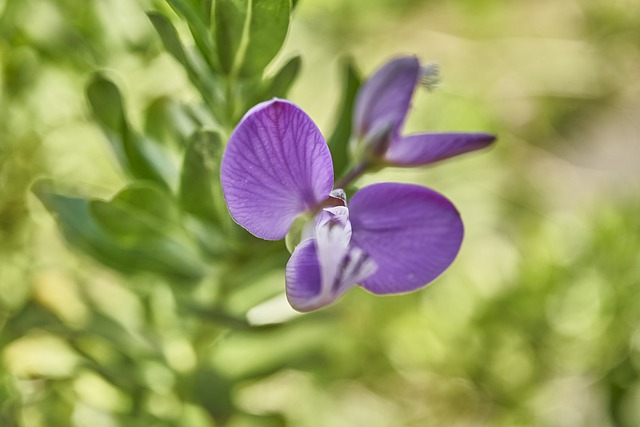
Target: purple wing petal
(425, 148)
(276, 166)
(304, 282)
(341, 264)
(385, 98)
(412, 233)
(320, 270)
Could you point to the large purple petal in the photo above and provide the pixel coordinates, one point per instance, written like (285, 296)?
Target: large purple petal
(426, 148)
(384, 100)
(276, 166)
(412, 233)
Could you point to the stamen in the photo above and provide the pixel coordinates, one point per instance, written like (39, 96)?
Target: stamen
(337, 198)
(340, 194)
(430, 77)
(354, 267)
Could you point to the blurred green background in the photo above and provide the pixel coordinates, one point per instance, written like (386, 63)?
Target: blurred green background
(537, 323)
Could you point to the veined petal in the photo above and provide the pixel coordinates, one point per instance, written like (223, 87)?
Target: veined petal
(342, 265)
(384, 100)
(426, 148)
(303, 279)
(333, 234)
(320, 270)
(412, 233)
(276, 166)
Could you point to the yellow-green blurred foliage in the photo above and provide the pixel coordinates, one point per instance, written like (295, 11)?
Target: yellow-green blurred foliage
(537, 323)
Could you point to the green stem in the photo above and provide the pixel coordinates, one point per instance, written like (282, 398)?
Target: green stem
(356, 172)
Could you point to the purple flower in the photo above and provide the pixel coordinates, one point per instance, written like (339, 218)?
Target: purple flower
(391, 238)
(381, 108)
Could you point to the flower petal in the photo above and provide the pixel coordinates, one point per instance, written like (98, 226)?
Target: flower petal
(321, 269)
(341, 264)
(276, 166)
(384, 99)
(426, 148)
(304, 282)
(412, 233)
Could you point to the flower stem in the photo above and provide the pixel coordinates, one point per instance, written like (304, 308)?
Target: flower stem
(356, 172)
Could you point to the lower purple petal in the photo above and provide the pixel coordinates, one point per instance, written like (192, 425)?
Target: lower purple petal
(426, 148)
(304, 281)
(412, 233)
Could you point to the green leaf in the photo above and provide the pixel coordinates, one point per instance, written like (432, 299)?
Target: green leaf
(138, 156)
(169, 36)
(169, 123)
(77, 226)
(199, 30)
(278, 86)
(254, 91)
(121, 235)
(205, 8)
(267, 31)
(148, 209)
(200, 192)
(249, 33)
(106, 103)
(339, 140)
(230, 21)
(105, 331)
(203, 80)
(208, 383)
(211, 240)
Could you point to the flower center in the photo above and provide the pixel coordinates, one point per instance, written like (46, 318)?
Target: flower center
(429, 76)
(337, 198)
